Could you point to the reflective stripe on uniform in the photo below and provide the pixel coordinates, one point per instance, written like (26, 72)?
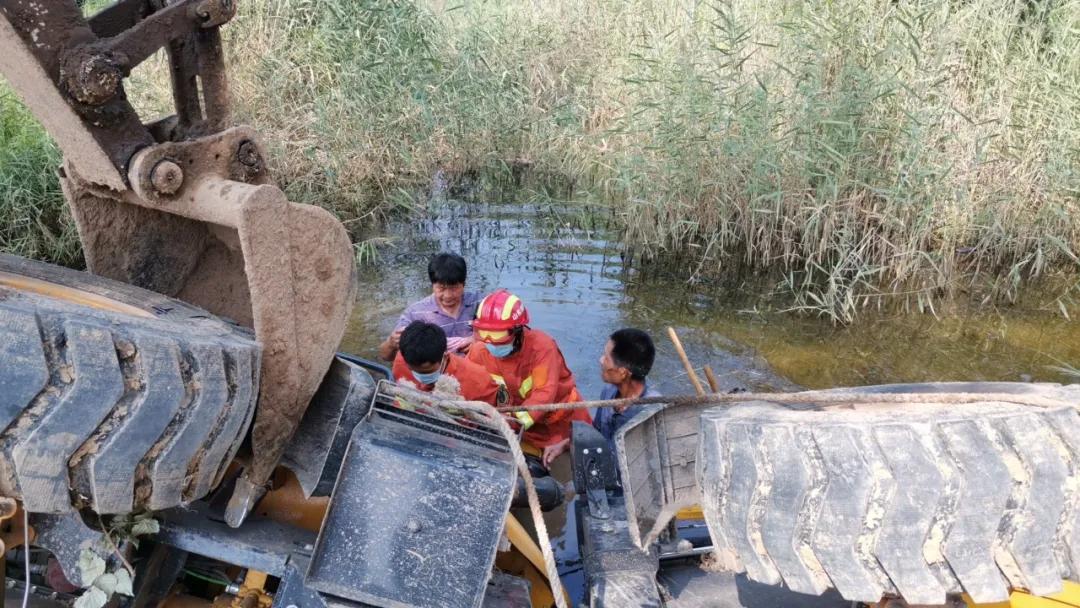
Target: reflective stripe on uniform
(537, 379)
(526, 387)
(525, 419)
(405, 404)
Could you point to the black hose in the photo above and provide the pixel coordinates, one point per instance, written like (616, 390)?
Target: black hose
(548, 490)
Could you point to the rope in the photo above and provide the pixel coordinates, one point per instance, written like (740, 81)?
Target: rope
(491, 415)
(26, 556)
(817, 397)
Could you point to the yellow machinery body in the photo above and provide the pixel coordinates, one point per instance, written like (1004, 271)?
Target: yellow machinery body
(1068, 598)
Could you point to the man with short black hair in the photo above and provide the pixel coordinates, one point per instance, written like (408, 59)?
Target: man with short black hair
(422, 360)
(449, 306)
(627, 360)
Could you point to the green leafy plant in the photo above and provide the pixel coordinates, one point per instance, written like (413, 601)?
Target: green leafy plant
(100, 581)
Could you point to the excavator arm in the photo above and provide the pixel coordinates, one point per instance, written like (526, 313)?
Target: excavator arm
(185, 206)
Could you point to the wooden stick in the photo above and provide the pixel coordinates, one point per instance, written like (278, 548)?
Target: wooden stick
(685, 361)
(711, 377)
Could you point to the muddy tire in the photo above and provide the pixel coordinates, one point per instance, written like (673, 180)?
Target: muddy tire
(115, 398)
(931, 500)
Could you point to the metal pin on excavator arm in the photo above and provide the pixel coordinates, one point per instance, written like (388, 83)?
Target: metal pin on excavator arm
(184, 206)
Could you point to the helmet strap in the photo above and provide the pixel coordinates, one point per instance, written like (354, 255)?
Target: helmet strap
(519, 337)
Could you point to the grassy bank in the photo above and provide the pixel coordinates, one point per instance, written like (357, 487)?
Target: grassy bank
(861, 153)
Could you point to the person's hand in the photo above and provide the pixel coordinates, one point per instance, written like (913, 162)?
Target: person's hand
(389, 347)
(553, 451)
(456, 345)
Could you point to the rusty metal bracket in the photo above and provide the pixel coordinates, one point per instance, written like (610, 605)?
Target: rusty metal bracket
(94, 69)
(12, 531)
(101, 137)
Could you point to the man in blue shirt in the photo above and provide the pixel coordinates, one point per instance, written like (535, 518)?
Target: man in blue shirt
(627, 360)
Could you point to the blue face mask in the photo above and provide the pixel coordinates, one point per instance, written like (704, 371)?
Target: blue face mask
(500, 350)
(428, 378)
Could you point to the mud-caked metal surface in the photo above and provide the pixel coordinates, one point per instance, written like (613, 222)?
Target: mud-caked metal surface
(688, 584)
(44, 54)
(260, 544)
(617, 572)
(318, 447)
(416, 516)
(658, 451)
(65, 537)
(503, 591)
(241, 250)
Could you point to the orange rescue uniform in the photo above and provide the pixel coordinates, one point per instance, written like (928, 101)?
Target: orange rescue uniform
(476, 383)
(535, 375)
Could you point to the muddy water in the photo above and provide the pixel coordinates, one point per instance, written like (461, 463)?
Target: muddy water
(579, 288)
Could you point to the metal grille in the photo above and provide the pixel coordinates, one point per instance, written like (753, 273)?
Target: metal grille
(434, 413)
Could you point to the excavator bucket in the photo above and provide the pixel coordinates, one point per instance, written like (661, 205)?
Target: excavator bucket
(185, 206)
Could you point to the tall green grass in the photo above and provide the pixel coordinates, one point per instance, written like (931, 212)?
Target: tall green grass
(860, 153)
(863, 153)
(34, 221)
(863, 150)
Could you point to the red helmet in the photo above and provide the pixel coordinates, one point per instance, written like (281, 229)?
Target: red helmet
(500, 311)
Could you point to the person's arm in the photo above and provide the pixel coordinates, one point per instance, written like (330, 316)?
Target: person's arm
(389, 347)
(553, 451)
(545, 386)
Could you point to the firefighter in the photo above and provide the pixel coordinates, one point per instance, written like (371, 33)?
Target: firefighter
(422, 360)
(528, 363)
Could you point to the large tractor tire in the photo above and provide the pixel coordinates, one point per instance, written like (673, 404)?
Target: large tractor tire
(916, 501)
(114, 398)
